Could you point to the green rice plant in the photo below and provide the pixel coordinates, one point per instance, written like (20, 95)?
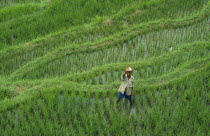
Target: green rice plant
(151, 118)
(18, 10)
(66, 102)
(30, 51)
(5, 3)
(74, 68)
(154, 5)
(173, 62)
(167, 80)
(144, 84)
(65, 13)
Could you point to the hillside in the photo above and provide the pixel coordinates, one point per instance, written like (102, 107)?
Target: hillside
(61, 62)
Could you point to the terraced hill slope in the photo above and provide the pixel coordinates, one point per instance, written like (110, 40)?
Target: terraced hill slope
(61, 62)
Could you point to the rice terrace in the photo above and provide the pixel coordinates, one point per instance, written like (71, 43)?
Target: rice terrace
(104, 67)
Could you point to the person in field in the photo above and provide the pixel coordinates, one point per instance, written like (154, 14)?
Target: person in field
(126, 87)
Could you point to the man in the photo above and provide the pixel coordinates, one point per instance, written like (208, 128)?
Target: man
(126, 87)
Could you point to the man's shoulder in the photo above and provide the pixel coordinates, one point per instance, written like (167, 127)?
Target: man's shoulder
(132, 77)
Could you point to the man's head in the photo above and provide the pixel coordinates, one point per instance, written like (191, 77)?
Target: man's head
(128, 71)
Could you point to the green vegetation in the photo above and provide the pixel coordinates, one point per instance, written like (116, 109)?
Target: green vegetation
(61, 62)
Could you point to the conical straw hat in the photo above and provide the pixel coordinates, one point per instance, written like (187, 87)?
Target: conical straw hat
(128, 69)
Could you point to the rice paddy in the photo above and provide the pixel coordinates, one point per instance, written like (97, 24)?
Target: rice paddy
(61, 63)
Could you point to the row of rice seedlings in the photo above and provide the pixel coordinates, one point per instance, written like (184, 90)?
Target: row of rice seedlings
(76, 35)
(138, 48)
(169, 112)
(28, 54)
(6, 3)
(148, 71)
(136, 19)
(107, 77)
(65, 14)
(158, 115)
(79, 120)
(179, 9)
(35, 52)
(170, 77)
(179, 73)
(19, 10)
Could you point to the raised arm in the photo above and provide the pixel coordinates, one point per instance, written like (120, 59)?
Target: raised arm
(123, 76)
